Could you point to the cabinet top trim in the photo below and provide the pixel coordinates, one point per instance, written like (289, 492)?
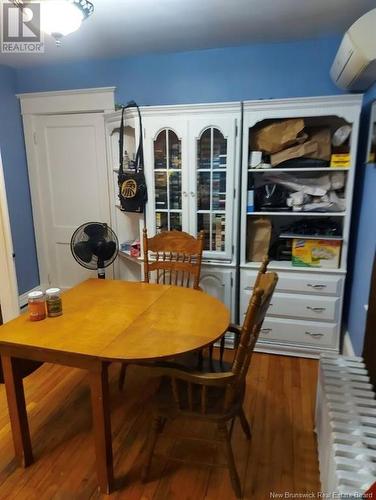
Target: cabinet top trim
(179, 108)
(334, 100)
(68, 101)
(31, 95)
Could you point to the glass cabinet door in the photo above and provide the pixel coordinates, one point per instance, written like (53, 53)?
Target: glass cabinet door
(212, 188)
(167, 181)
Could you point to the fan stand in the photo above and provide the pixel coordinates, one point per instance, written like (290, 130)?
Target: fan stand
(100, 269)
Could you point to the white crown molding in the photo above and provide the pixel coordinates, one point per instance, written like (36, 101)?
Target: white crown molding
(188, 109)
(68, 101)
(331, 100)
(346, 106)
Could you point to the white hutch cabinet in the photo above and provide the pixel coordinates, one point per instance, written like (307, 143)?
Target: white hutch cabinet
(306, 311)
(197, 180)
(191, 167)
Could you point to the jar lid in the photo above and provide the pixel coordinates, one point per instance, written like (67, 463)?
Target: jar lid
(35, 295)
(53, 291)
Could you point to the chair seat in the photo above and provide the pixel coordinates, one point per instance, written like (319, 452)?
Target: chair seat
(191, 361)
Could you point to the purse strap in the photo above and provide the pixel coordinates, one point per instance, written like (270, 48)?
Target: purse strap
(121, 142)
(139, 158)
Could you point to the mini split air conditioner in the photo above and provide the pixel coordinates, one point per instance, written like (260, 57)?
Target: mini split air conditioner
(354, 67)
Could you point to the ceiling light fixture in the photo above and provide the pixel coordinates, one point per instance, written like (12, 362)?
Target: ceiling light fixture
(62, 17)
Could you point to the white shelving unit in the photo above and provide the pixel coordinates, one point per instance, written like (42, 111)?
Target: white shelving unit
(195, 178)
(305, 318)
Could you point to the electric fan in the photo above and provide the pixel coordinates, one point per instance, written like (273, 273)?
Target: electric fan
(94, 245)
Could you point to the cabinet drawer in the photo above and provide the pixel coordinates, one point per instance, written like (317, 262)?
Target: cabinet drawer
(299, 332)
(312, 284)
(298, 306)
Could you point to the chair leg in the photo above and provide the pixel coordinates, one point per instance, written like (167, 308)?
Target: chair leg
(230, 460)
(156, 429)
(244, 423)
(232, 426)
(211, 350)
(222, 349)
(122, 376)
(200, 361)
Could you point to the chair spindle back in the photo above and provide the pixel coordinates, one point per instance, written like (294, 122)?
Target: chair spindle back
(254, 317)
(175, 257)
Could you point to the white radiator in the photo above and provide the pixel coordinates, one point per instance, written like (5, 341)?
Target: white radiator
(345, 426)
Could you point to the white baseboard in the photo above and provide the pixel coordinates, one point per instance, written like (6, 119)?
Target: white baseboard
(22, 299)
(347, 349)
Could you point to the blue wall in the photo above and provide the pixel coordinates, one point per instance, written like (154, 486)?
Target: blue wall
(249, 72)
(364, 236)
(17, 182)
(230, 74)
(235, 73)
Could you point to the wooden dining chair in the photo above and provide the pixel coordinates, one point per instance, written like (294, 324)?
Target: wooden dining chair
(171, 258)
(210, 362)
(174, 258)
(213, 397)
(235, 329)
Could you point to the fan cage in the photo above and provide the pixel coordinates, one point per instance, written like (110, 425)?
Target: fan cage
(80, 235)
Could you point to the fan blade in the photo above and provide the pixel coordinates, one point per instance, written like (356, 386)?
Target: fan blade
(96, 230)
(83, 251)
(109, 250)
(103, 249)
(98, 247)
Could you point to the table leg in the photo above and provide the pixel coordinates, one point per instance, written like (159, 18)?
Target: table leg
(100, 402)
(17, 410)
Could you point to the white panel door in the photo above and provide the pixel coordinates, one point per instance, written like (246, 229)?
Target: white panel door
(73, 187)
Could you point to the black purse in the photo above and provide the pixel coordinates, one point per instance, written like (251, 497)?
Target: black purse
(271, 197)
(133, 193)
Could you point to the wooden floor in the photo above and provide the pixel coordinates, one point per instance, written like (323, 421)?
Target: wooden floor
(280, 458)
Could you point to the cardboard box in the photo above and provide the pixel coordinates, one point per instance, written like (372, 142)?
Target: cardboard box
(316, 253)
(317, 146)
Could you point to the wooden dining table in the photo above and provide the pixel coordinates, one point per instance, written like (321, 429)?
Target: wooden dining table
(105, 321)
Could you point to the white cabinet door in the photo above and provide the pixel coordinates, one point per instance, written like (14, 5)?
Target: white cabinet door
(219, 283)
(72, 182)
(165, 149)
(212, 165)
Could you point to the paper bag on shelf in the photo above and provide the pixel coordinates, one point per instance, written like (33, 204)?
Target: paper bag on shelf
(279, 135)
(318, 147)
(259, 231)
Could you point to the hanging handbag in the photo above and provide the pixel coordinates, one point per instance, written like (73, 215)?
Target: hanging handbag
(132, 185)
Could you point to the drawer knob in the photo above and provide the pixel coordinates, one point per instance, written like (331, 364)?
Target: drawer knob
(266, 330)
(314, 334)
(248, 288)
(316, 309)
(316, 286)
